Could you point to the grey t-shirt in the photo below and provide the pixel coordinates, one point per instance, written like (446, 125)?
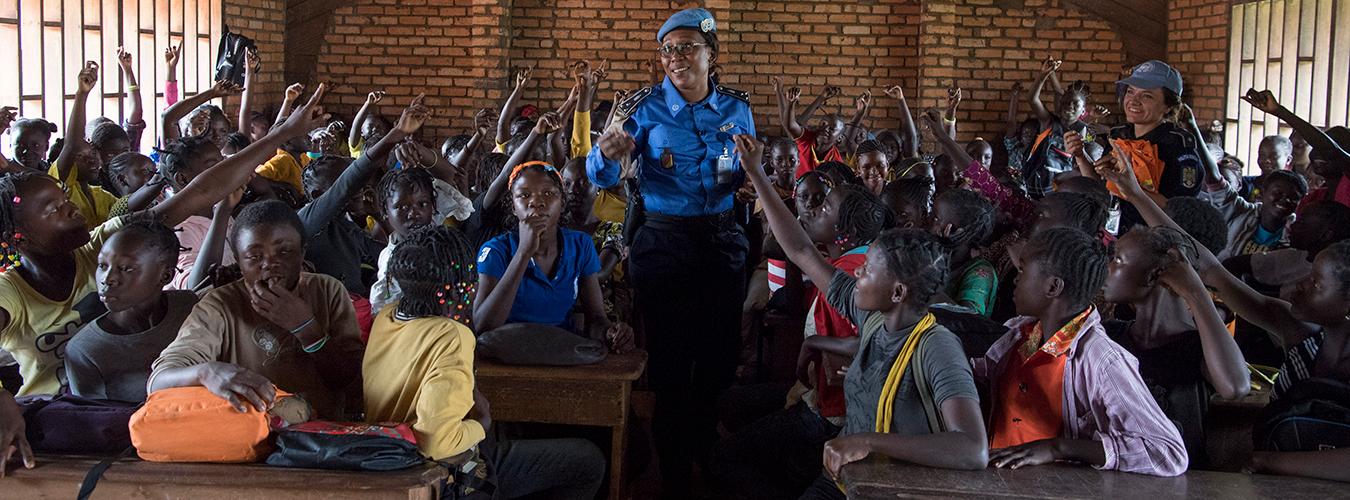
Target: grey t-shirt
(101, 365)
(944, 363)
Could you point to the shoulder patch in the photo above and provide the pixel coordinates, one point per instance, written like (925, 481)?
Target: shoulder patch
(630, 104)
(738, 94)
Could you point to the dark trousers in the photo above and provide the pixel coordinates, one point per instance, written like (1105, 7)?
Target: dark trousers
(823, 489)
(689, 281)
(777, 456)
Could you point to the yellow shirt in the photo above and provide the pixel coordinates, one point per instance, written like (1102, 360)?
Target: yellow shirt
(358, 148)
(420, 372)
(581, 134)
(94, 204)
(39, 327)
(283, 168)
(609, 207)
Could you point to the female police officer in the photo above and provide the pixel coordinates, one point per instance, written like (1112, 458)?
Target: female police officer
(687, 256)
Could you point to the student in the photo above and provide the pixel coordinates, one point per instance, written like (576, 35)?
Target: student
(977, 176)
(778, 456)
(872, 167)
(45, 234)
(982, 152)
(782, 159)
(369, 126)
(336, 244)
(1274, 153)
(418, 370)
(110, 357)
(963, 220)
(1047, 154)
(817, 144)
(1019, 135)
(78, 165)
(811, 190)
(1328, 159)
(1184, 349)
(1260, 226)
(907, 162)
(277, 325)
(133, 176)
(537, 273)
(1060, 389)
(181, 162)
(888, 298)
(579, 196)
(30, 138)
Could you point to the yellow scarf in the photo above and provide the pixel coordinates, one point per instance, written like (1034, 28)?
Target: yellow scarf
(886, 404)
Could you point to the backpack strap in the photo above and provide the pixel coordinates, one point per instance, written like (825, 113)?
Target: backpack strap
(935, 423)
(96, 473)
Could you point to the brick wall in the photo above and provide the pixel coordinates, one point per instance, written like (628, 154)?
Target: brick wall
(984, 46)
(1198, 48)
(264, 22)
(462, 52)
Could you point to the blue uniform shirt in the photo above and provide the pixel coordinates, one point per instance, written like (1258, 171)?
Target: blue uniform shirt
(678, 144)
(541, 298)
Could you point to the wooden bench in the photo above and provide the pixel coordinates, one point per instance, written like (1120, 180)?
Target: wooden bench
(59, 477)
(883, 478)
(594, 395)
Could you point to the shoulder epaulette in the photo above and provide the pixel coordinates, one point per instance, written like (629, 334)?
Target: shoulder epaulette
(738, 94)
(631, 103)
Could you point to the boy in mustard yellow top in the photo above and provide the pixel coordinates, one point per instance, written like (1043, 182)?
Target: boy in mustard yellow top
(78, 164)
(418, 369)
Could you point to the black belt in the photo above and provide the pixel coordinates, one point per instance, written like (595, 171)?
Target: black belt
(715, 222)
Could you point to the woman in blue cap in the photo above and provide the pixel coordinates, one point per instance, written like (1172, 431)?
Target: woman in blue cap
(687, 253)
(1158, 138)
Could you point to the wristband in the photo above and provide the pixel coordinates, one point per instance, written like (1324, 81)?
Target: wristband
(303, 326)
(133, 88)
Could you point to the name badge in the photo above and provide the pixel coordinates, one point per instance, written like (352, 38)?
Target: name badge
(667, 158)
(727, 127)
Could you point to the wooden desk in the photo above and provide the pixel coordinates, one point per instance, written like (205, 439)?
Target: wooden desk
(595, 395)
(59, 477)
(880, 478)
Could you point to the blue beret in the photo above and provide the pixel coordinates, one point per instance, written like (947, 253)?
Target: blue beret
(1153, 74)
(695, 19)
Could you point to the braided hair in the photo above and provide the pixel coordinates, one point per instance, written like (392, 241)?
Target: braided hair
(435, 268)
(973, 212)
(1201, 220)
(10, 186)
(917, 259)
(175, 156)
(404, 178)
(839, 173)
(1159, 241)
(155, 237)
(1074, 257)
(105, 133)
(309, 176)
(862, 216)
(1082, 212)
(488, 169)
(117, 166)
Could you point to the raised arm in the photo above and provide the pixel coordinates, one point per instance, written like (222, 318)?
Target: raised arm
(1187, 121)
(788, 102)
(509, 107)
(359, 122)
(793, 239)
(558, 148)
(1319, 140)
(1225, 368)
(172, 55)
(135, 122)
(287, 101)
(830, 92)
(168, 120)
(954, 95)
(252, 63)
(861, 106)
(482, 127)
(218, 181)
(213, 246)
(1014, 100)
(75, 125)
(949, 146)
(7, 116)
(909, 132)
(1034, 98)
(547, 124)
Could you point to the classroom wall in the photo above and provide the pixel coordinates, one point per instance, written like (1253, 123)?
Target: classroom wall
(462, 53)
(1198, 48)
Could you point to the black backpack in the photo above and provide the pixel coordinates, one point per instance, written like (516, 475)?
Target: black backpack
(230, 57)
(1313, 415)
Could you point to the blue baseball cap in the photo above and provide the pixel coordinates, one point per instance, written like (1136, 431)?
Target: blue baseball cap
(1153, 74)
(694, 19)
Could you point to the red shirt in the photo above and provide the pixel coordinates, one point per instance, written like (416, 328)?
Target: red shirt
(829, 323)
(806, 153)
(1031, 393)
(1342, 195)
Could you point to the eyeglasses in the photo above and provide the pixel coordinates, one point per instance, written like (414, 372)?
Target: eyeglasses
(683, 49)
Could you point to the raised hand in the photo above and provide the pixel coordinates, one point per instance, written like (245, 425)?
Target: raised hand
(87, 78)
(1097, 113)
(412, 154)
(794, 94)
(616, 144)
(223, 88)
(1050, 65)
(601, 71)
(581, 72)
(307, 117)
(375, 97)
(7, 116)
(124, 60)
(863, 101)
(548, 123)
(484, 121)
(523, 77)
(293, 92)
(954, 95)
(1263, 100)
(252, 61)
(172, 55)
(414, 116)
(777, 82)
(751, 152)
(896, 92)
(831, 92)
(1018, 88)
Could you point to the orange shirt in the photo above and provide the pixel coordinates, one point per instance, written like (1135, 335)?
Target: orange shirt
(1148, 166)
(1030, 399)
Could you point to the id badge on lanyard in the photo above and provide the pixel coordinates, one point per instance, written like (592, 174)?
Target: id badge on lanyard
(1113, 217)
(725, 168)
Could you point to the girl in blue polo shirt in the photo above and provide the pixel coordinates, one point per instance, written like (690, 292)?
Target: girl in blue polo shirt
(536, 273)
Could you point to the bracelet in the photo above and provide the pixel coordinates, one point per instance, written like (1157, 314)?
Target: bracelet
(303, 326)
(133, 88)
(313, 348)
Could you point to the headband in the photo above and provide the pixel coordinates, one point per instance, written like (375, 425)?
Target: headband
(515, 172)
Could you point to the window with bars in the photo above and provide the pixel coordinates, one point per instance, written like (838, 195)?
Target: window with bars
(1300, 51)
(47, 42)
